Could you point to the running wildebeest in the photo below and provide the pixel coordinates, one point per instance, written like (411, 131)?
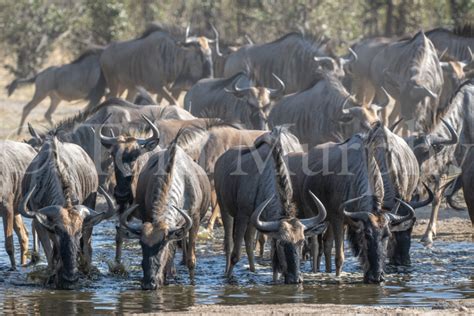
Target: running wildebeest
(59, 194)
(234, 99)
(15, 157)
(347, 179)
(172, 196)
(325, 112)
(155, 61)
(251, 180)
(294, 58)
(78, 80)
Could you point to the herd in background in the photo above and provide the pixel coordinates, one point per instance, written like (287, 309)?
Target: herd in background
(281, 138)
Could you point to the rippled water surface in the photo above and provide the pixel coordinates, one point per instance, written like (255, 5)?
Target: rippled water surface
(445, 271)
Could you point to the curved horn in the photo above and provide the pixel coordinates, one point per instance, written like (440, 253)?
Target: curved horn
(354, 215)
(442, 53)
(188, 222)
(394, 125)
(354, 55)
(235, 89)
(106, 140)
(310, 223)
(280, 91)
(93, 217)
(249, 40)
(136, 230)
(418, 204)
(322, 58)
(387, 98)
(155, 138)
(187, 32)
(49, 211)
(110, 203)
(454, 186)
(33, 132)
(264, 227)
(23, 207)
(344, 110)
(398, 219)
(216, 33)
(421, 92)
(435, 140)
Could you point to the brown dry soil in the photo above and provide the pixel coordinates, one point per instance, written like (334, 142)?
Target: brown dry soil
(453, 225)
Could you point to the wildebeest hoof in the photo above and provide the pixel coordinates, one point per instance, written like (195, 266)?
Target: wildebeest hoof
(117, 269)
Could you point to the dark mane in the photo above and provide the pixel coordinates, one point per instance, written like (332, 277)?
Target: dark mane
(466, 30)
(80, 117)
(87, 53)
(173, 31)
(312, 39)
(443, 111)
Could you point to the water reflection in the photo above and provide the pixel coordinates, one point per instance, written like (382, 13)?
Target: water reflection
(444, 272)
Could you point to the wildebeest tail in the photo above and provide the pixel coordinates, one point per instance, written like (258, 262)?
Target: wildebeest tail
(19, 82)
(97, 92)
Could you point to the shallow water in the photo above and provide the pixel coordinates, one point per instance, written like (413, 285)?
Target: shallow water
(443, 272)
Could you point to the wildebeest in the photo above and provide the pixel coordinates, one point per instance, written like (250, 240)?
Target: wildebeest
(251, 180)
(446, 145)
(233, 99)
(347, 179)
(400, 173)
(78, 80)
(411, 73)
(59, 193)
(467, 177)
(15, 157)
(294, 58)
(172, 197)
(155, 61)
(456, 42)
(119, 116)
(325, 112)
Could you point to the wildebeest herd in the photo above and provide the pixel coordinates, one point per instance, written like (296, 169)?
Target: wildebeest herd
(284, 142)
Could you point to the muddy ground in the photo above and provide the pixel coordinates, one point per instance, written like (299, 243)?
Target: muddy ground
(453, 226)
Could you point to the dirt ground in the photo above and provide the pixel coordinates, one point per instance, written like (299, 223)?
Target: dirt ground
(453, 225)
(464, 307)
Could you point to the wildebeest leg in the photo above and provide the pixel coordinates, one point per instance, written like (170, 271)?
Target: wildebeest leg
(228, 242)
(118, 245)
(131, 93)
(427, 238)
(45, 241)
(320, 252)
(261, 239)
(339, 244)
(215, 211)
(165, 94)
(86, 249)
(55, 100)
(191, 250)
(37, 98)
(328, 242)
(22, 234)
(240, 227)
(314, 250)
(249, 241)
(35, 255)
(469, 197)
(7, 212)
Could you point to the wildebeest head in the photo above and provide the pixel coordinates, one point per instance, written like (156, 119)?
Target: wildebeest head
(288, 236)
(36, 140)
(65, 225)
(125, 151)
(362, 117)
(400, 240)
(157, 248)
(337, 66)
(258, 99)
(369, 232)
(198, 56)
(416, 79)
(426, 145)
